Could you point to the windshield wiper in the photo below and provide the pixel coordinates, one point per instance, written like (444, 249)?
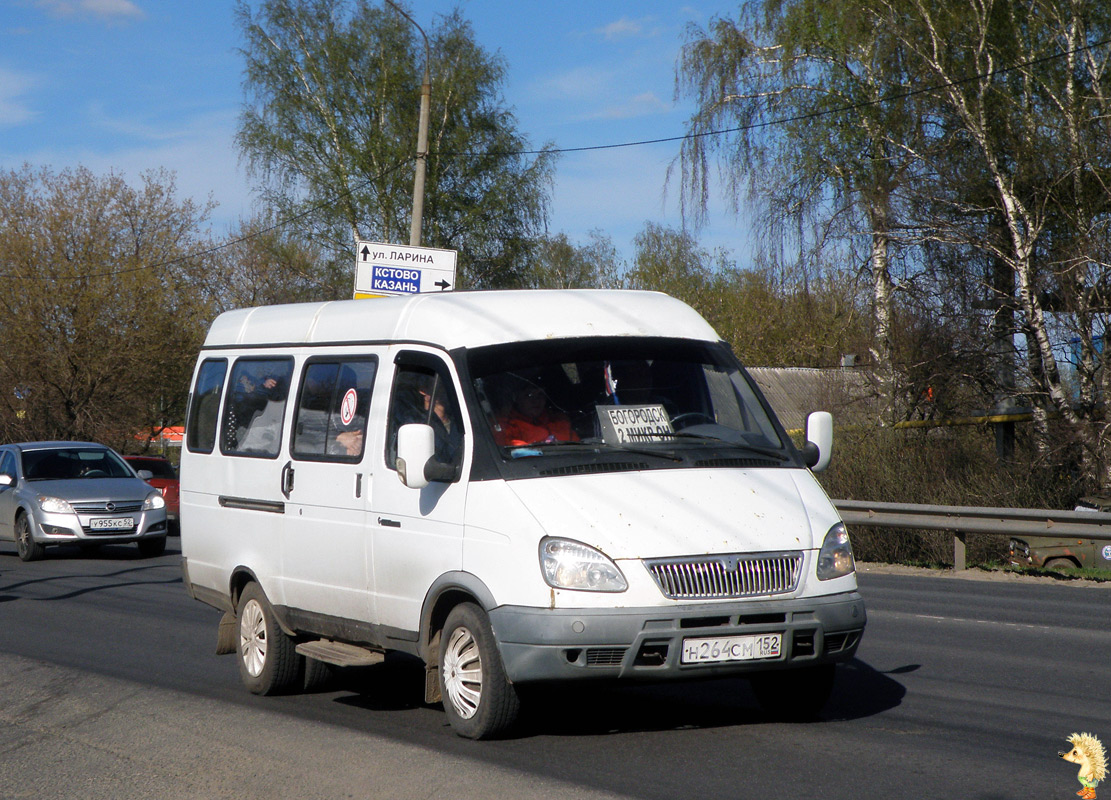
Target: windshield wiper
(753, 448)
(534, 449)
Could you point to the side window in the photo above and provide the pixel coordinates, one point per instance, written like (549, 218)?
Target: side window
(205, 405)
(255, 407)
(424, 395)
(332, 410)
(7, 465)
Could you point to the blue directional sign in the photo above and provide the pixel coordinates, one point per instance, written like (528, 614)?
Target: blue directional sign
(393, 269)
(394, 280)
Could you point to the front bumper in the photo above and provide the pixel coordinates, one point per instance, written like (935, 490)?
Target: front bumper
(79, 528)
(646, 643)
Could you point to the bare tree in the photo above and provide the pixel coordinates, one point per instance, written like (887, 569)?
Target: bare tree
(101, 315)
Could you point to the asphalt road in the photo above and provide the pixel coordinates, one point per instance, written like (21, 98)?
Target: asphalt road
(962, 688)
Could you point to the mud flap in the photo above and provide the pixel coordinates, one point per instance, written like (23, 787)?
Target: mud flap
(432, 684)
(225, 635)
(432, 670)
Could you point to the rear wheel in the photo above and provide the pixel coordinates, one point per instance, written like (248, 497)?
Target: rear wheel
(268, 663)
(29, 549)
(479, 700)
(795, 695)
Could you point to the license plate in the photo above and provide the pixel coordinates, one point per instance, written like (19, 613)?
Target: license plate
(111, 523)
(732, 648)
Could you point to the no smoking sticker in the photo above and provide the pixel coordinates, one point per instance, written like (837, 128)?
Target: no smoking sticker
(347, 407)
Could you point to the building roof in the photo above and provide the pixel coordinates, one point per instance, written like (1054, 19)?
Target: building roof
(794, 392)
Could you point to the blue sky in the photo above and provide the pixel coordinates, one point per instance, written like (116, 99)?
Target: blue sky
(128, 85)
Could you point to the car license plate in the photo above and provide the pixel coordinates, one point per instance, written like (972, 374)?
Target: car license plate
(111, 523)
(732, 648)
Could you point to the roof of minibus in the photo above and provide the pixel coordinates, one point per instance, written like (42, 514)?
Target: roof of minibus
(464, 319)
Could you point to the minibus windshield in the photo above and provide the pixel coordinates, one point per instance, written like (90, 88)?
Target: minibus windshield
(650, 395)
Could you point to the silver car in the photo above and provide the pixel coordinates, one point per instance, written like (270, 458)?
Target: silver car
(76, 493)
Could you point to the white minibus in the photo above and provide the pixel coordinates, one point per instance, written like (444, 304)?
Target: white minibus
(517, 488)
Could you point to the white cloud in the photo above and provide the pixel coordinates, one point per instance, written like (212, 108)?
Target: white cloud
(109, 10)
(578, 83)
(642, 105)
(201, 152)
(14, 110)
(618, 191)
(626, 28)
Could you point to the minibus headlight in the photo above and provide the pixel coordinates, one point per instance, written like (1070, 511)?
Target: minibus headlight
(568, 564)
(154, 500)
(835, 559)
(54, 505)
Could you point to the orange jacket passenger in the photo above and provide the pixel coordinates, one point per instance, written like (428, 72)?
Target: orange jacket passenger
(516, 430)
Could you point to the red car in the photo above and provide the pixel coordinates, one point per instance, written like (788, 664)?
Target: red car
(164, 479)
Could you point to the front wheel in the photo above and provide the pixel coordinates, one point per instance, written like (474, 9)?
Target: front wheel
(479, 700)
(29, 549)
(268, 662)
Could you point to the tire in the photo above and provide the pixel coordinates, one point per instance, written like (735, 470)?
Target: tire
(794, 695)
(29, 549)
(478, 698)
(149, 548)
(268, 663)
(318, 676)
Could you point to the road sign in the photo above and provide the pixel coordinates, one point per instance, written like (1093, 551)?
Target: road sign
(394, 269)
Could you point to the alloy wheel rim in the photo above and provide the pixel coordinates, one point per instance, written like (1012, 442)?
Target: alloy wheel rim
(463, 673)
(252, 638)
(24, 535)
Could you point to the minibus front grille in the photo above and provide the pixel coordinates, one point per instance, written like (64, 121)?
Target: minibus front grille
(726, 576)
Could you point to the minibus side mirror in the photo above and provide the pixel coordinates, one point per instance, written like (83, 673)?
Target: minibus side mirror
(145, 474)
(416, 445)
(819, 441)
(416, 458)
(6, 480)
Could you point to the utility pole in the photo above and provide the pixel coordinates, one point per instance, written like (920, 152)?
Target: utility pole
(422, 134)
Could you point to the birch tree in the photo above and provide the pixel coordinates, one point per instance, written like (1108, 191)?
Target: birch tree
(1022, 86)
(799, 88)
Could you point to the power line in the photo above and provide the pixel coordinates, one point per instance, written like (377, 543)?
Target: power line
(896, 96)
(904, 95)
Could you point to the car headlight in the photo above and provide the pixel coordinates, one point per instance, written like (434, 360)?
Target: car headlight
(154, 500)
(572, 565)
(835, 559)
(54, 505)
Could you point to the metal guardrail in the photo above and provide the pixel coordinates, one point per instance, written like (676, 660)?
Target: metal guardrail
(963, 520)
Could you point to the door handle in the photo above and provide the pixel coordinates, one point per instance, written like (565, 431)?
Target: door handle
(287, 479)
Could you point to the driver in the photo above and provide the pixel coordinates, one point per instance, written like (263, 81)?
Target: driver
(531, 420)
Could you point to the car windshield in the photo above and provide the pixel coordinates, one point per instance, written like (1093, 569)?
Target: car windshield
(642, 394)
(73, 463)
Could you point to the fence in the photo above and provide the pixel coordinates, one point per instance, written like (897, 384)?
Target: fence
(963, 520)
